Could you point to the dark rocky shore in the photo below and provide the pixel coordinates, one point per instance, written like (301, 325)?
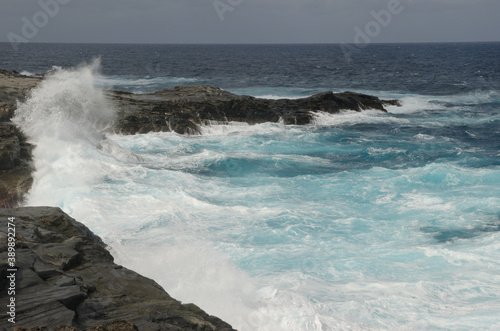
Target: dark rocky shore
(67, 279)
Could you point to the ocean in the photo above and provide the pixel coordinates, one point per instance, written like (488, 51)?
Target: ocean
(359, 221)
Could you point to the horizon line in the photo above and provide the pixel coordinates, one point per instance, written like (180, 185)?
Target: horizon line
(257, 43)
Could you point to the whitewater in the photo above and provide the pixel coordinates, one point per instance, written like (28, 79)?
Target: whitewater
(360, 221)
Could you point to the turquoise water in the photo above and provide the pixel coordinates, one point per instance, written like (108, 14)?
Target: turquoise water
(362, 221)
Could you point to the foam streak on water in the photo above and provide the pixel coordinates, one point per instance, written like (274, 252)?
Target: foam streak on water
(361, 221)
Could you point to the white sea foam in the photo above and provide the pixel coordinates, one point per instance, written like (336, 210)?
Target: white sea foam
(274, 93)
(424, 103)
(350, 117)
(277, 97)
(414, 104)
(66, 117)
(422, 136)
(67, 106)
(231, 128)
(472, 98)
(382, 151)
(27, 73)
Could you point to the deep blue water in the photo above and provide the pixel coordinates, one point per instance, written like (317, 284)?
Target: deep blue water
(359, 221)
(435, 69)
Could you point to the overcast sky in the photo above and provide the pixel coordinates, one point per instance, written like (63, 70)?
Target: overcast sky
(249, 21)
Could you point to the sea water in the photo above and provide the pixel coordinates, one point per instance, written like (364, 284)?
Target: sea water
(360, 221)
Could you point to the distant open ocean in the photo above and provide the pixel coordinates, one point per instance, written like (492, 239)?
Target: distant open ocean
(360, 221)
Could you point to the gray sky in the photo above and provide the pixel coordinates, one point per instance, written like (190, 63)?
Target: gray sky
(249, 21)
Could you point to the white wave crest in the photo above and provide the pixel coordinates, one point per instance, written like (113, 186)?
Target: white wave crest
(350, 117)
(66, 116)
(67, 106)
(414, 104)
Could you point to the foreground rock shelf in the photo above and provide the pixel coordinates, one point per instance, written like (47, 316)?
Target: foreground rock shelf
(66, 277)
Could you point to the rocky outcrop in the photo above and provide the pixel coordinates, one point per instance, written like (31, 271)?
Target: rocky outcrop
(67, 280)
(15, 165)
(184, 108)
(15, 151)
(13, 87)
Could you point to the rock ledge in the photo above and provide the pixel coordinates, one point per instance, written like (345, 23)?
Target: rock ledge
(66, 278)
